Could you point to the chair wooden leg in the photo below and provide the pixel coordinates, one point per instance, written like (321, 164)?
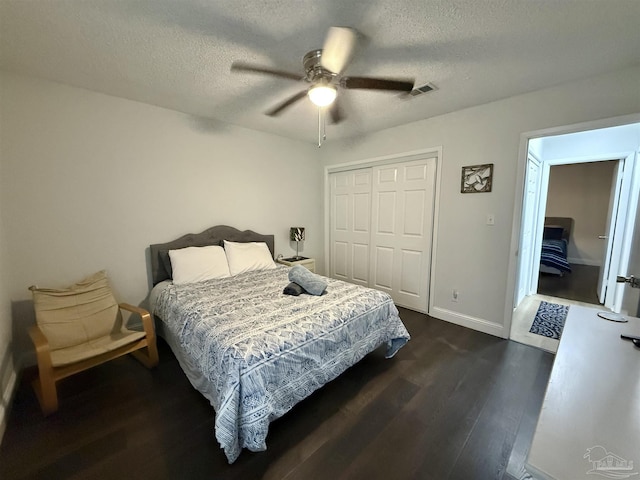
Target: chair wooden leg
(45, 384)
(45, 388)
(149, 358)
(152, 350)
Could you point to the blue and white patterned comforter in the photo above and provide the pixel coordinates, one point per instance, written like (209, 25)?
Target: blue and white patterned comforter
(554, 254)
(262, 351)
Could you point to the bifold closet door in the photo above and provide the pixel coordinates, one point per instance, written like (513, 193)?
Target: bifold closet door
(350, 221)
(401, 231)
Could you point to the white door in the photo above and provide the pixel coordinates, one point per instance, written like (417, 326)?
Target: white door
(622, 235)
(401, 228)
(350, 220)
(528, 268)
(609, 233)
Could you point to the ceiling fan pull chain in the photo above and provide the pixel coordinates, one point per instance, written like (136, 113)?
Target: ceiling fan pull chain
(320, 137)
(322, 126)
(324, 123)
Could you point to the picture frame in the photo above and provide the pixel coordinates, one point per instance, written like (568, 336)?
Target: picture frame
(477, 178)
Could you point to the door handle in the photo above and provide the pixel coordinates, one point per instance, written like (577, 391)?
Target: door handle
(631, 280)
(602, 237)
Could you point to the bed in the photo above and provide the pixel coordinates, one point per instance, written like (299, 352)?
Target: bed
(254, 352)
(555, 241)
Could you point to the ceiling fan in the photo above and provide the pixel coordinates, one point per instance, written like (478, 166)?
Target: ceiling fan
(323, 70)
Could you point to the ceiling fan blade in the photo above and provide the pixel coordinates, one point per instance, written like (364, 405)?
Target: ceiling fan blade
(377, 84)
(335, 112)
(288, 102)
(338, 48)
(245, 67)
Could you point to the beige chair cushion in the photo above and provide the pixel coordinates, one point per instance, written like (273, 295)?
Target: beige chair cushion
(65, 356)
(82, 320)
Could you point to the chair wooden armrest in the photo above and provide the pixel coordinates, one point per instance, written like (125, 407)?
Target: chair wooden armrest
(149, 360)
(132, 308)
(41, 344)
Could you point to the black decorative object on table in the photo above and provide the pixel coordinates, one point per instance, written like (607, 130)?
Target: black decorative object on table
(295, 259)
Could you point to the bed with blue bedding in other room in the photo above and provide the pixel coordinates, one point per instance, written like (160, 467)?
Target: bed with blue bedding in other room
(555, 242)
(254, 352)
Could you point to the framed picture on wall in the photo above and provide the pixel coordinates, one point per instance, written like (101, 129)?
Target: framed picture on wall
(477, 178)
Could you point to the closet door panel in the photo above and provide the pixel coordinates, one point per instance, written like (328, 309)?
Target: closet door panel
(339, 260)
(381, 228)
(350, 225)
(402, 219)
(361, 212)
(360, 264)
(410, 272)
(414, 205)
(386, 213)
(341, 212)
(383, 273)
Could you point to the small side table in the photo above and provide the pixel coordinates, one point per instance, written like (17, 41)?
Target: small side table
(308, 263)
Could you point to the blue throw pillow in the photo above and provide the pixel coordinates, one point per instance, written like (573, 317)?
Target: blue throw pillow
(312, 283)
(293, 289)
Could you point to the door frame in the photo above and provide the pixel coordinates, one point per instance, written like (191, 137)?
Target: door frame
(434, 152)
(609, 233)
(524, 278)
(523, 150)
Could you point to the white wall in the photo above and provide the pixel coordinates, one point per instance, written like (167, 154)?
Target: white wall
(603, 143)
(469, 255)
(581, 191)
(89, 181)
(7, 370)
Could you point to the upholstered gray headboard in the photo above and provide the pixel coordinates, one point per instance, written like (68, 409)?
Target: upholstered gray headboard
(161, 265)
(565, 222)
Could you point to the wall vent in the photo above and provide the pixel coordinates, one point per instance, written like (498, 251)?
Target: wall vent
(426, 88)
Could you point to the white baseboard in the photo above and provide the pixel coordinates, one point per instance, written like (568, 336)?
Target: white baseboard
(8, 382)
(468, 321)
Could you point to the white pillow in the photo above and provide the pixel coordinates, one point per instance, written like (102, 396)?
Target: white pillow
(196, 264)
(246, 257)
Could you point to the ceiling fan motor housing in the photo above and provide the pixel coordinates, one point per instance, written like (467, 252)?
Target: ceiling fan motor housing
(313, 69)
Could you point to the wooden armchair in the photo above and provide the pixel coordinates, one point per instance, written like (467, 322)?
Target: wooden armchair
(80, 327)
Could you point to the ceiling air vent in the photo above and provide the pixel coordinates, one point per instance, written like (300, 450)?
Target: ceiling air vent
(426, 88)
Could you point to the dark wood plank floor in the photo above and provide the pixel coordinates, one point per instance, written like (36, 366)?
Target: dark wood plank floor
(452, 404)
(580, 285)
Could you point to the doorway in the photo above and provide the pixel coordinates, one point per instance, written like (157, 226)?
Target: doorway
(588, 179)
(578, 199)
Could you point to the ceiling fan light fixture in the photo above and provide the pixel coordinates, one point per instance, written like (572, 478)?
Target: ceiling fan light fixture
(322, 95)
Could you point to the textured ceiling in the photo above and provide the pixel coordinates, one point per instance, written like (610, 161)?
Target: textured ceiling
(178, 53)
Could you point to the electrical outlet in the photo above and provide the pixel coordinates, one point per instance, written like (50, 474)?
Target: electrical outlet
(455, 295)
